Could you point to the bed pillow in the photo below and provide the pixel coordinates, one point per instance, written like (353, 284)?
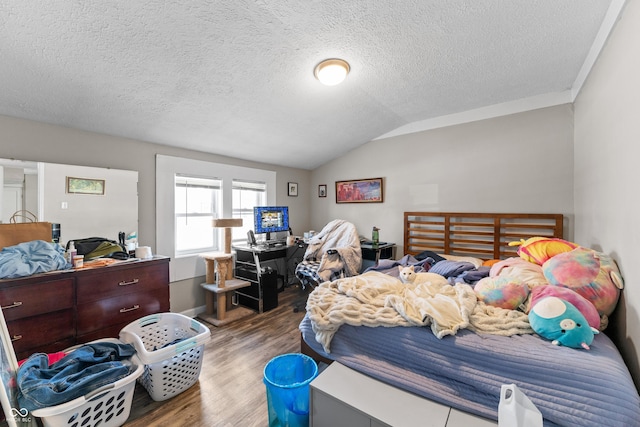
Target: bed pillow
(583, 305)
(592, 274)
(539, 249)
(490, 262)
(477, 262)
(525, 271)
(502, 291)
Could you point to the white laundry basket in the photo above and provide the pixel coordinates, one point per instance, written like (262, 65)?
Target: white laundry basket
(171, 347)
(108, 406)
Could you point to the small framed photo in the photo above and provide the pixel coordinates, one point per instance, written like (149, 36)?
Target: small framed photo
(322, 190)
(85, 186)
(292, 189)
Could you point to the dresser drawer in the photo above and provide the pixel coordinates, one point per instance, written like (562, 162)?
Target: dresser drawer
(37, 298)
(52, 347)
(32, 332)
(106, 283)
(112, 331)
(95, 315)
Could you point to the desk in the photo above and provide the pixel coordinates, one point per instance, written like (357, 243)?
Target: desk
(264, 267)
(371, 253)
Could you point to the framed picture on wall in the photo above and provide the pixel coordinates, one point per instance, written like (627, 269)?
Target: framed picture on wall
(322, 190)
(85, 186)
(292, 189)
(359, 191)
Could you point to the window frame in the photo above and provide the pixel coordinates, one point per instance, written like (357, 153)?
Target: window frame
(210, 183)
(242, 236)
(190, 266)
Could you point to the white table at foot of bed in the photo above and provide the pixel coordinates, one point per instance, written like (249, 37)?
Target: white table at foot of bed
(340, 396)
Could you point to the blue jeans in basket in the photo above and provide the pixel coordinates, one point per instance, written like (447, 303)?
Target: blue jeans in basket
(85, 369)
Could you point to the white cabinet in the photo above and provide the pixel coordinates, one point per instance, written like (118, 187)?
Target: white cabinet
(463, 419)
(341, 396)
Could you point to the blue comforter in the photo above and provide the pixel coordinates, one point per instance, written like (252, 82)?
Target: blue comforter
(36, 256)
(466, 371)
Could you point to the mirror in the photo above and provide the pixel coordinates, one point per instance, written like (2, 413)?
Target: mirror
(95, 202)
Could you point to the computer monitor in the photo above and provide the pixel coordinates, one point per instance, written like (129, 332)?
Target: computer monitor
(270, 219)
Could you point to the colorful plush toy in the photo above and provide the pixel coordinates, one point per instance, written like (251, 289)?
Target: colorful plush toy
(583, 305)
(539, 249)
(526, 271)
(592, 274)
(559, 321)
(502, 291)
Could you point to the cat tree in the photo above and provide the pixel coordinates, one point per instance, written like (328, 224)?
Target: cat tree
(219, 311)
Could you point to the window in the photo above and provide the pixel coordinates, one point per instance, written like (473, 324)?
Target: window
(246, 195)
(189, 194)
(197, 202)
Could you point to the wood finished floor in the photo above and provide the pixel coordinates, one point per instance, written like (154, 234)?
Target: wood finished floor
(230, 391)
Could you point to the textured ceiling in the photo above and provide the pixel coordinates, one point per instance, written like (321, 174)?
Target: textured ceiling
(235, 77)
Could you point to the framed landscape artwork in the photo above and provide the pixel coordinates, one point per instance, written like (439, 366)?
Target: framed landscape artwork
(85, 186)
(359, 191)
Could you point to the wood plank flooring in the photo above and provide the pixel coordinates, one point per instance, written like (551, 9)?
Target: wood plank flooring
(230, 391)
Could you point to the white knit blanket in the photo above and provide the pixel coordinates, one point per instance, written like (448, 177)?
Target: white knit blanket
(341, 236)
(377, 299)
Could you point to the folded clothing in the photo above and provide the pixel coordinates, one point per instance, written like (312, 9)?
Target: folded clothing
(85, 369)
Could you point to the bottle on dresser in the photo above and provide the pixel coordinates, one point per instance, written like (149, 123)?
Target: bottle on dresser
(71, 252)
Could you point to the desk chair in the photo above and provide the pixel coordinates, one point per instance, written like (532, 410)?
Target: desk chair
(332, 254)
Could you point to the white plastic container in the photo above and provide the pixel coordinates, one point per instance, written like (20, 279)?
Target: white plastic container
(171, 346)
(78, 261)
(71, 252)
(108, 406)
(516, 410)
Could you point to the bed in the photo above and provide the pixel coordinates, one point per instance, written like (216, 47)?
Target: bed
(464, 368)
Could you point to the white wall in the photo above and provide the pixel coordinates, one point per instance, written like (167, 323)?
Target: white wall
(517, 163)
(607, 201)
(31, 190)
(35, 141)
(90, 215)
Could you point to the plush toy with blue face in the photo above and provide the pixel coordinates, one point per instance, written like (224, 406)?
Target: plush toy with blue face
(561, 322)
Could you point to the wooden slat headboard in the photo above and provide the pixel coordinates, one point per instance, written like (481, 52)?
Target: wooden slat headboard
(480, 235)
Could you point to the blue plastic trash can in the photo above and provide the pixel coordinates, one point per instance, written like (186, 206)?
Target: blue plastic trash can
(287, 379)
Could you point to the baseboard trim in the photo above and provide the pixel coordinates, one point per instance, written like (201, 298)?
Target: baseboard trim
(193, 312)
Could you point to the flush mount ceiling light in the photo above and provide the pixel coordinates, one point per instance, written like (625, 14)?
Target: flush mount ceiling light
(331, 71)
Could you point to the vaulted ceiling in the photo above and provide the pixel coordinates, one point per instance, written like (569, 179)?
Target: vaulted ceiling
(235, 77)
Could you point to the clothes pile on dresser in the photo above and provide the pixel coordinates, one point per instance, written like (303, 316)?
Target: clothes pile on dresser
(33, 257)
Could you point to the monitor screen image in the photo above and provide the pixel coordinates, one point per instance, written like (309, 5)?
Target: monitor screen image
(270, 219)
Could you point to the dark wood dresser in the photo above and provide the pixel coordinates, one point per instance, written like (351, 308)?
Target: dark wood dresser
(50, 312)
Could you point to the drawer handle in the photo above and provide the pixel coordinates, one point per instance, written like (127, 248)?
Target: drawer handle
(16, 338)
(14, 305)
(133, 282)
(124, 310)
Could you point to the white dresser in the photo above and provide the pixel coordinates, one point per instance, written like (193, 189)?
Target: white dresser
(340, 396)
